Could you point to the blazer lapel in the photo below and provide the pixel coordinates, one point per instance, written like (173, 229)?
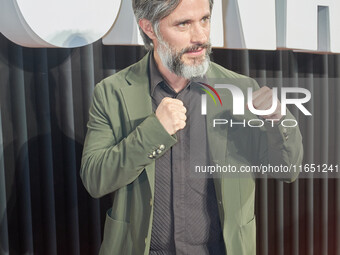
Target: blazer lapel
(217, 143)
(217, 136)
(138, 103)
(137, 95)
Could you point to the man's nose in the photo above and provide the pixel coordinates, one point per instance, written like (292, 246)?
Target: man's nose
(198, 34)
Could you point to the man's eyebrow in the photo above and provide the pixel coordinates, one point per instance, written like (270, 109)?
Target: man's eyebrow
(208, 15)
(180, 21)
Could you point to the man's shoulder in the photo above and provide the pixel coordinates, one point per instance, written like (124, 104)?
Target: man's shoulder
(116, 80)
(123, 77)
(218, 71)
(219, 74)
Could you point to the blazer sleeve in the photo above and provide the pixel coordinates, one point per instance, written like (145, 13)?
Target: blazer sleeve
(281, 147)
(107, 164)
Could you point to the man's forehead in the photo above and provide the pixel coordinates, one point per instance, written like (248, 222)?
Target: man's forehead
(190, 9)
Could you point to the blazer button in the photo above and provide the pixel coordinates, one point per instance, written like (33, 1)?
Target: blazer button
(154, 154)
(150, 156)
(161, 147)
(159, 151)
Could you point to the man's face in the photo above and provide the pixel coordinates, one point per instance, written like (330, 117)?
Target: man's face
(184, 46)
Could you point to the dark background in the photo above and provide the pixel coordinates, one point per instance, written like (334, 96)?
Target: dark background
(44, 100)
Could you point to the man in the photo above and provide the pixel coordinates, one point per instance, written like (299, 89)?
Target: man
(139, 143)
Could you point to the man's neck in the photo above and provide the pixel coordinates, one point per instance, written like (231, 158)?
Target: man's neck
(176, 82)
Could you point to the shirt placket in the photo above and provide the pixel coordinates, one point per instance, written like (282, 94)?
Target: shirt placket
(179, 186)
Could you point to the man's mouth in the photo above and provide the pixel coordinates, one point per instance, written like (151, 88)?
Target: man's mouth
(198, 51)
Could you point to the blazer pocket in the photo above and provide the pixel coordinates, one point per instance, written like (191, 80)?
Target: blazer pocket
(248, 233)
(117, 239)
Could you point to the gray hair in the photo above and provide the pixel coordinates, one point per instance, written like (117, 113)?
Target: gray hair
(155, 11)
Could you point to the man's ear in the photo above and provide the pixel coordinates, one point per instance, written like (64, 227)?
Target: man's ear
(147, 28)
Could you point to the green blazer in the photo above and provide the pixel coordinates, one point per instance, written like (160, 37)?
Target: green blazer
(122, 133)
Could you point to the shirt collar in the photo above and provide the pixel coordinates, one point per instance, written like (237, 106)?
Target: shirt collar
(155, 76)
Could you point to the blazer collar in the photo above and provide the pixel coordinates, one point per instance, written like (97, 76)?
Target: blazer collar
(138, 74)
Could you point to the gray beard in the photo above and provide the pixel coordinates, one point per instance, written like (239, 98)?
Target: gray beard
(172, 61)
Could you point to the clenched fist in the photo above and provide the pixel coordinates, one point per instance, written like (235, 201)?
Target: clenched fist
(263, 100)
(171, 113)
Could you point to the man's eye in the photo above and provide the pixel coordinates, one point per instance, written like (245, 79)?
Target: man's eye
(183, 24)
(205, 19)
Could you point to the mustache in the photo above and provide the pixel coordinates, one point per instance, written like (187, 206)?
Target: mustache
(195, 47)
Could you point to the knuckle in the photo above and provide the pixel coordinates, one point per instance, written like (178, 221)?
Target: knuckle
(171, 107)
(173, 115)
(178, 101)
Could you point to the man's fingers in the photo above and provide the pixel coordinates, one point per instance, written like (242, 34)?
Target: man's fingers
(180, 125)
(172, 101)
(171, 113)
(265, 104)
(182, 109)
(182, 117)
(262, 93)
(263, 98)
(173, 104)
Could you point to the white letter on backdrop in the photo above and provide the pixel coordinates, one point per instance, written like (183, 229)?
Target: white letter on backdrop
(250, 24)
(57, 23)
(309, 25)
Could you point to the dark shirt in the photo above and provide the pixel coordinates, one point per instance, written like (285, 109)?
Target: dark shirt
(185, 217)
